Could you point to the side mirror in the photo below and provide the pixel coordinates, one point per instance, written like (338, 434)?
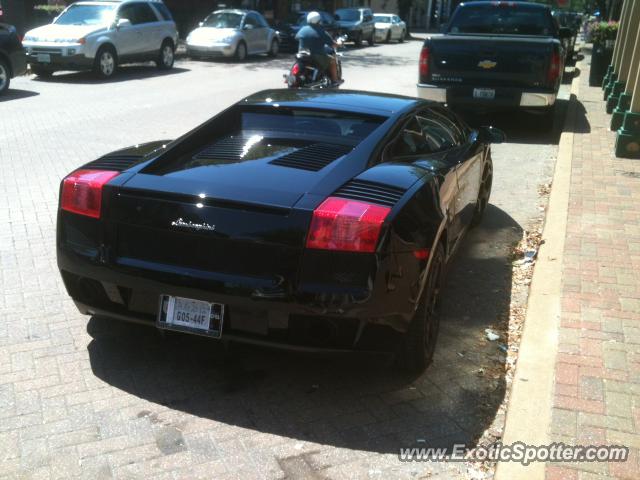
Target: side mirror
(123, 22)
(247, 26)
(565, 32)
(491, 135)
(201, 24)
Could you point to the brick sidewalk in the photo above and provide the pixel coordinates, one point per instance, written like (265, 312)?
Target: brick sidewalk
(597, 386)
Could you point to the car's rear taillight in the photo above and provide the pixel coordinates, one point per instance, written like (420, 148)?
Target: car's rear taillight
(424, 62)
(554, 68)
(346, 225)
(82, 191)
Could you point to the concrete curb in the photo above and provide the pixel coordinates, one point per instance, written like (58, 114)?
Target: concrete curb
(531, 402)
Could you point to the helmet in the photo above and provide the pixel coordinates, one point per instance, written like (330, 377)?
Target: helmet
(313, 18)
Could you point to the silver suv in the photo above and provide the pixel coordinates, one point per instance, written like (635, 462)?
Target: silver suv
(102, 34)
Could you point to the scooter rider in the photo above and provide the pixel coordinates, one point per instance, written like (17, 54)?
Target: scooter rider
(315, 39)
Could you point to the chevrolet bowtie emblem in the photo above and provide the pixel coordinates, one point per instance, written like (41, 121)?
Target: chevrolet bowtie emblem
(487, 64)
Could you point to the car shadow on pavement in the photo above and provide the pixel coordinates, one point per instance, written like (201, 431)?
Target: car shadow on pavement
(521, 126)
(350, 401)
(124, 73)
(16, 94)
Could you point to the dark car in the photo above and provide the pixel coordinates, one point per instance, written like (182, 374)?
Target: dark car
(13, 60)
(573, 22)
(357, 24)
(289, 27)
(495, 55)
(300, 219)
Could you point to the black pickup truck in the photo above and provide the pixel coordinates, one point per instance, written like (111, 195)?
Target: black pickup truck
(495, 55)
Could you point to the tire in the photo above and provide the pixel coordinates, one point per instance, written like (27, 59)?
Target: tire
(5, 76)
(547, 119)
(403, 35)
(241, 52)
(388, 38)
(41, 72)
(483, 194)
(106, 62)
(372, 39)
(275, 48)
(416, 350)
(358, 40)
(166, 56)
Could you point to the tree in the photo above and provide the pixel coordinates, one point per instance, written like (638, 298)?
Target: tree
(404, 10)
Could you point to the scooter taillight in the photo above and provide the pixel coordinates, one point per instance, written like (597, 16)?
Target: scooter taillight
(295, 70)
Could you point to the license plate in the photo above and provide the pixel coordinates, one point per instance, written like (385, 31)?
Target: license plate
(189, 315)
(485, 93)
(43, 58)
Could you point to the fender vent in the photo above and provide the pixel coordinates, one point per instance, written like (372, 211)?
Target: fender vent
(231, 148)
(370, 192)
(313, 157)
(114, 161)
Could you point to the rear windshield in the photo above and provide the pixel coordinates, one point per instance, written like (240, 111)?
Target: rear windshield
(502, 20)
(339, 127)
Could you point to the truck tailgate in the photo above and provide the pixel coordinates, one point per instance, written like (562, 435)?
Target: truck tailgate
(483, 60)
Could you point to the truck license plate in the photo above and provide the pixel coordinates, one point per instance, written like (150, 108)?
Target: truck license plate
(189, 315)
(484, 93)
(43, 58)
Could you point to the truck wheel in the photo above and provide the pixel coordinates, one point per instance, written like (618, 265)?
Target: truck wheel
(5, 76)
(166, 56)
(415, 352)
(358, 39)
(372, 39)
(41, 72)
(547, 119)
(106, 62)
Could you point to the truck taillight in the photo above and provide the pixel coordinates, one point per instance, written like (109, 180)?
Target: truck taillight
(554, 68)
(346, 225)
(424, 62)
(82, 191)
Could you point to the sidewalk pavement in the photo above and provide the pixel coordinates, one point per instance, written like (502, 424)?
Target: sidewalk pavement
(596, 397)
(578, 376)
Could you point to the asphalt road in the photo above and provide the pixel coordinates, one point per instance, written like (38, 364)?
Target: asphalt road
(83, 397)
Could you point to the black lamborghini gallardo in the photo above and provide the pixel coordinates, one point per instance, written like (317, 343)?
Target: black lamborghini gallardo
(299, 219)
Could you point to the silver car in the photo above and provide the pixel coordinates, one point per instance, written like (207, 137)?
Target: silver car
(233, 33)
(101, 35)
(389, 27)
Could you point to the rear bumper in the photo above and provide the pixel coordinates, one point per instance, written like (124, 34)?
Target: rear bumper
(504, 96)
(236, 337)
(313, 317)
